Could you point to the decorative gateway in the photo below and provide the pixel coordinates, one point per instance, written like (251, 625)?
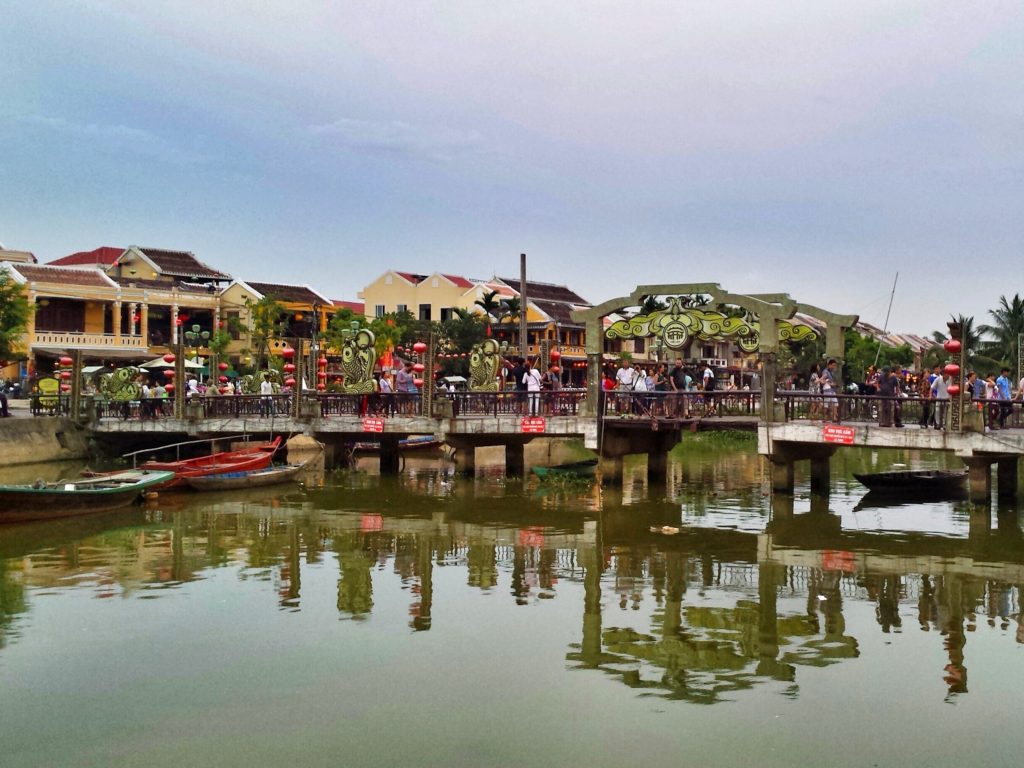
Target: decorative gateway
(484, 362)
(358, 358)
(678, 324)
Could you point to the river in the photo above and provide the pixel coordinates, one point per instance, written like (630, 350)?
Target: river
(437, 620)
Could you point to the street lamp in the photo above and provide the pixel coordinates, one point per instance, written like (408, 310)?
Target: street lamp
(197, 338)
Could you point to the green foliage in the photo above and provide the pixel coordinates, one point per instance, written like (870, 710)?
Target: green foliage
(1007, 325)
(862, 352)
(340, 323)
(266, 323)
(511, 308)
(975, 357)
(652, 304)
(15, 311)
(721, 439)
(489, 303)
(219, 342)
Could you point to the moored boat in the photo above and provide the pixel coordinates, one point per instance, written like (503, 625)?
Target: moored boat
(245, 459)
(574, 469)
(256, 478)
(909, 481)
(65, 498)
(418, 442)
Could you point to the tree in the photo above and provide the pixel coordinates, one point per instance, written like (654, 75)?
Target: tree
(511, 308)
(652, 304)
(974, 357)
(1007, 326)
(490, 304)
(862, 351)
(266, 323)
(341, 322)
(15, 312)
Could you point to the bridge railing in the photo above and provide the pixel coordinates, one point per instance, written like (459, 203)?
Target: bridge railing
(562, 402)
(890, 411)
(680, 405)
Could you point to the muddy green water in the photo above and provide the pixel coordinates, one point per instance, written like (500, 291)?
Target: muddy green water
(437, 620)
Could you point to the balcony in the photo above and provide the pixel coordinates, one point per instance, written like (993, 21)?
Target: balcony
(81, 340)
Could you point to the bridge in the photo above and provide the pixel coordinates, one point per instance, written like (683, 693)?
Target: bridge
(791, 426)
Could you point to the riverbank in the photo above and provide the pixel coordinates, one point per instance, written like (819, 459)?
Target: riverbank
(38, 440)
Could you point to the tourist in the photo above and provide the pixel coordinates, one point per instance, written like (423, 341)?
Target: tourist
(681, 382)
(1004, 394)
(708, 382)
(940, 395)
(891, 408)
(532, 382)
(828, 390)
(607, 381)
(814, 390)
(4, 410)
(625, 380)
(553, 379)
(266, 396)
(387, 393)
(925, 382)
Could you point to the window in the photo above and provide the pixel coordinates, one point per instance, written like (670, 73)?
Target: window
(638, 345)
(446, 314)
(378, 310)
(425, 312)
(433, 283)
(402, 308)
(233, 322)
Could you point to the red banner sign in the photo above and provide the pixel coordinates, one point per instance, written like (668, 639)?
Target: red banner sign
(371, 424)
(833, 433)
(534, 424)
(838, 560)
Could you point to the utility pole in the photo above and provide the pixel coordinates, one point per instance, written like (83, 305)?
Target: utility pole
(523, 301)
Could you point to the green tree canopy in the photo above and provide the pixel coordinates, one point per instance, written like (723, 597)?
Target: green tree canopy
(1007, 326)
(15, 311)
(266, 323)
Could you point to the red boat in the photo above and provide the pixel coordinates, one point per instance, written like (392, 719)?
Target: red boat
(256, 456)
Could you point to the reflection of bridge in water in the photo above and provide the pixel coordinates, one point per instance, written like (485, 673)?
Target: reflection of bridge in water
(695, 615)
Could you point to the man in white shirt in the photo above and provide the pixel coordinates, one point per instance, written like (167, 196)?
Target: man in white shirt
(532, 379)
(266, 396)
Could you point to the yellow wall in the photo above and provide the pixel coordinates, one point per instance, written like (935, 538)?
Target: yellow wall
(389, 290)
(94, 317)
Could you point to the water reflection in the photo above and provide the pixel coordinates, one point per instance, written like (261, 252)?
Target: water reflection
(675, 597)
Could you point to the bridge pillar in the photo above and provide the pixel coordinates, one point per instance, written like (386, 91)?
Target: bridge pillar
(611, 469)
(782, 475)
(515, 459)
(389, 456)
(820, 475)
(979, 474)
(1006, 472)
(465, 459)
(657, 465)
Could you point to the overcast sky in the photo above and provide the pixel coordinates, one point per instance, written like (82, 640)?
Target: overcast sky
(808, 147)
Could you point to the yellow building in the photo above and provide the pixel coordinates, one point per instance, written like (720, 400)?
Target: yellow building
(306, 312)
(427, 297)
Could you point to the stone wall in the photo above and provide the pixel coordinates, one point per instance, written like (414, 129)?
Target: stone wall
(32, 441)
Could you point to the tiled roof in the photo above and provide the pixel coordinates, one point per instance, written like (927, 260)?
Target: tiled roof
(356, 306)
(557, 311)
(546, 291)
(104, 255)
(459, 281)
(298, 294)
(162, 285)
(181, 264)
(414, 279)
(44, 273)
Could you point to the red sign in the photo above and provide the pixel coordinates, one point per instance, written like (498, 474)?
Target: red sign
(838, 560)
(833, 433)
(371, 424)
(534, 424)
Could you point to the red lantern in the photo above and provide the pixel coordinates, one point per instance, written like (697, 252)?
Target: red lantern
(555, 369)
(419, 347)
(169, 373)
(65, 387)
(952, 369)
(418, 382)
(321, 387)
(952, 346)
(287, 353)
(321, 374)
(169, 388)
(289, 368)
(953, 390)
(555, 354)
(289, 382)
(169, 358)
(222, 366)
(418, 367)
(67, 362)
(65, 375)
(222, 379)
(322, 362)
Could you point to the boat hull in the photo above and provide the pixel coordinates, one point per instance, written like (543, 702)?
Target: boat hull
(20, 503)
(912, 482)
(232, 481)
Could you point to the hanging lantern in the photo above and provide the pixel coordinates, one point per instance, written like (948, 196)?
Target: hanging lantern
(169, 358)
(169, 387)
(66, 362)
(222, 379)
(555, 354)
(953, 390)
(321, 387)
(298, 317)
(418, 382)
(321, 374)
(289, 367)
(952, 346)
(287, 353)
(222, 366)
(419, 347)
(555, 369)
(65, 387)
(65, 375)
(952, 369)
(289, 382)
(169, 373)
(322, 362)
(419, 367)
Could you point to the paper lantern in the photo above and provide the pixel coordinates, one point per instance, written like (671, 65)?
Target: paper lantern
(289, 367)
(222, 366)
(287, 353)
(952, 369)
(169, 358)
(65, 375)
(321, 387)
(65, 387)
(169, 373)
(953, 390)
(67, 362)
(321, 374)
(952, 346)
(289, 382)
(418, 382)
(169, 388)
(555, 369)
(419, 347)
(555, 354)
(322, 362)
(222, 379)
(418, 367)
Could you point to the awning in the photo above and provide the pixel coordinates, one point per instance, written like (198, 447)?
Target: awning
(159, 362)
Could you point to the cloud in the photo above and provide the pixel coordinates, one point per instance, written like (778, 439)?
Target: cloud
(400, 138)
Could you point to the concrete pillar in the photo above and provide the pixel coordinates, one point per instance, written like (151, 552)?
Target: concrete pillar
(782, 476)
(979, 473)
(117, 321)
(144, 323)
(389, 456)
(820, 475)
(782, 508)
(769, 372)
(131, 319)
(515, 459)
(1006, 472)
(174, 324)
(611, 469)
(657, 463)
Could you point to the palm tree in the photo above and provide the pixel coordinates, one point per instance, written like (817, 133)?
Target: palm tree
(652, 304)
(1007, 327)
(971, 340)
(463, 315)
(511, 308)
(489, 304)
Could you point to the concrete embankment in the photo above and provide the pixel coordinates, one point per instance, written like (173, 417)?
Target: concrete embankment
(34, 441)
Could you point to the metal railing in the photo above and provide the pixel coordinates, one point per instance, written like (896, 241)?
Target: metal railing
(681, 405)
(892, 411)
(560, 402)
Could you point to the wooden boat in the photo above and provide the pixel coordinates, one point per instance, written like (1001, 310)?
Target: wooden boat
(256, 478)
(245, 459)
(574, 469)
(42, 501)
(911, 481)
(419, 442)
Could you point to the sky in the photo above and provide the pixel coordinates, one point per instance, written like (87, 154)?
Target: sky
(809, 147)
